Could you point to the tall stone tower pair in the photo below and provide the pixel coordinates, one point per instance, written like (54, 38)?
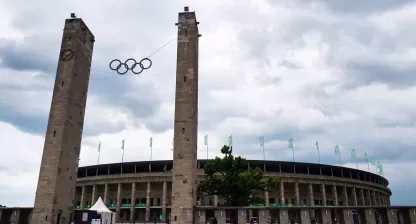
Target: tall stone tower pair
(58, 171)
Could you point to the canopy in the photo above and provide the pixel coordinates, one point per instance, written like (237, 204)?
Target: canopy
(100, 207)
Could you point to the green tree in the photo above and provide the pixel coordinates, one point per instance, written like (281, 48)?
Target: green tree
(231, 180)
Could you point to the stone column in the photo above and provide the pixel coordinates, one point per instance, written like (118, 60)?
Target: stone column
(326, 216)
(354, 196)
(282, 193)
(284, 216)
(199, 217)
(370, 218)
(263, 215)
(373, 198)
(392, 216)
(242, 216)
(106, 194)
(297, 198)
(133, 201)
(378, 198)
(82, 202)
(388, 200)
(305, 217)
(215, 200)
(311, 199)
(118, 202)
(323, 193)
(164, 201)
(369, 201)
(14, 217)
(345, 195)
(266, 198)
(362, 199)
(148, 201)
(220, 215)
(347, 216)
(94, 194)
(335, 195)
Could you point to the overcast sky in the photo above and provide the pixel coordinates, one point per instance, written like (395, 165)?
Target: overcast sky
(337, 73)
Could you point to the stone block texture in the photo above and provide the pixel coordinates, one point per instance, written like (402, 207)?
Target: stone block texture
(184, 173)
(58, 171)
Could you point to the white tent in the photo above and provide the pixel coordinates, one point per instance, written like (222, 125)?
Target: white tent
(107, 216)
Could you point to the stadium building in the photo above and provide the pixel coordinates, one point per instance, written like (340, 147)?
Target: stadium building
(141, 191)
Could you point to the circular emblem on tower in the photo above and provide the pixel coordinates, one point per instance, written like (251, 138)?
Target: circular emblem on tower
(67, 54)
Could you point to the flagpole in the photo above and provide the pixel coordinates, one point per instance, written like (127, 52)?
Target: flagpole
(339, 156)
(293, 151)
(264, 158)
(319, 157)
(99, 150)
(207, 150)
(368, 164)
(356, 162)
(122, 154)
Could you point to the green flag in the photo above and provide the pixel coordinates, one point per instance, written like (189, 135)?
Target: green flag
(337, 149)
(230, 140)
(206, 139)
(353, 153)
(366, 157)
(291, 143)
(261, 141)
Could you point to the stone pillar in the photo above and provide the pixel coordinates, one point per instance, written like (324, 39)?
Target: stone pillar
(345, 192)
(388, 200)
(105, 194)
(412, 216)
(282, 193)
(326, 216)
(362, 199)
(373, 198)
(220, 215)
(215, 200)
(392, 216)
(242, 216)
(323, 193)
(165, 187)
(335, 195)
(370, 217)
(369, 201)
(263, 216)
(311, 199)
(378, 197)
(297, 198)
(382, 199)
(305, 217)
(284, 216)
(94, 194)
(148, 201)
(354, 196)
(347, 216)
(199, 216)
(15, 217)
(266, 198)
(133, 201)
(118, 203)
(82, 202)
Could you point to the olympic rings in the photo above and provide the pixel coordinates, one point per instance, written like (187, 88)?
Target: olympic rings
(130, 66)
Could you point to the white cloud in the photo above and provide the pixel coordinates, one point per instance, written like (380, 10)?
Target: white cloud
(282, 70)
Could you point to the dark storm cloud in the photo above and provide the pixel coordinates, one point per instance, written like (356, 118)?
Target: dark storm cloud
(29, 55)
(368, 72)
(23, 122)
(361, 7)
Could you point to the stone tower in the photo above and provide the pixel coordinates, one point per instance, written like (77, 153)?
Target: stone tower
(186, 121)
(58, 170)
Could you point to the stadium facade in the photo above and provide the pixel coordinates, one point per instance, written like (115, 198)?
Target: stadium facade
(141, 191)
